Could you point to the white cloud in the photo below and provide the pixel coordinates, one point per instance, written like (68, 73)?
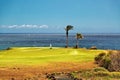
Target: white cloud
(13, 26)
(24, 26)
(43, 26)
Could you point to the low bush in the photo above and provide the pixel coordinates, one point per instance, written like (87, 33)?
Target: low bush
(115, 75)
(98, 69)
(99, 58)
(110, 61)
(101, 73)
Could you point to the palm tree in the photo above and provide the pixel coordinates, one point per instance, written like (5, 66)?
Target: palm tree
(68, 27)
(78, 36)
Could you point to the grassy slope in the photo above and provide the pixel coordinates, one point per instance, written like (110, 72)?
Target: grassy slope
(39, 55)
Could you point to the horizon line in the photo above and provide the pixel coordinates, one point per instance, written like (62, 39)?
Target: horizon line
(63, 33)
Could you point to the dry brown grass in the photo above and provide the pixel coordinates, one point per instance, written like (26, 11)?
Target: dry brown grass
(38, 72)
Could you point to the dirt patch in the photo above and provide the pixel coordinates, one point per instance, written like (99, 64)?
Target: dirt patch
(37, 72)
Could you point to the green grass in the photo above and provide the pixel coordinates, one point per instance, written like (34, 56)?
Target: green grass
(18, 56)
(43, 55)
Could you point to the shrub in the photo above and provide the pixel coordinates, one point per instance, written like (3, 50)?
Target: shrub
(99, 58)
(115, 74)
(115, 61)
(103, 60)
(110, 61)
(97, 69)
(101, 74)
(106, 62)
(87, 74)
(8, 48)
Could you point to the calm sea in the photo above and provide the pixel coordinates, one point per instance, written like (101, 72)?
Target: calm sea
(101, 41)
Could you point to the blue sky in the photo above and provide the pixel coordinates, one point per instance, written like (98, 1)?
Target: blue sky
(51, 16)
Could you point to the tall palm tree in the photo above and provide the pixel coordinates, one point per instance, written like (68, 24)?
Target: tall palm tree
(68, 27)
(78, 36)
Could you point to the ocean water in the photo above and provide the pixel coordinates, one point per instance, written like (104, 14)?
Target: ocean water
(101, 41)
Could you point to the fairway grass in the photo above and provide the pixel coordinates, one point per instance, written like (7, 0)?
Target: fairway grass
(44, 55)
(33, 63)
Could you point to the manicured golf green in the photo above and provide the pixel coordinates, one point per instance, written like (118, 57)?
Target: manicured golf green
(44, 55)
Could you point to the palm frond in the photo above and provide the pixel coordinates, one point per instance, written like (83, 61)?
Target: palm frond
(69, 27)
(79, 36)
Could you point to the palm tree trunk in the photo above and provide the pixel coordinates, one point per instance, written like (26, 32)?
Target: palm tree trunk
(77, 43)
(66, 39)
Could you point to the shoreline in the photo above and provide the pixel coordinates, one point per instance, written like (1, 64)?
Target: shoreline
(47, 47)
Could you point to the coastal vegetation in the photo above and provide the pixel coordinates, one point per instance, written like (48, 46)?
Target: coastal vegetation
(98, 73)
(67, 29)
(110, 61)
(78, 36)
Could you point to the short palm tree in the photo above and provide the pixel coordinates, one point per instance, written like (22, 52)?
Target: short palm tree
(78, 36)
(68, 27)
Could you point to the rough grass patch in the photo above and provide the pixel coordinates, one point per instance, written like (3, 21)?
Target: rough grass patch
(101, 74)
(115, 75)
(97, 69)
